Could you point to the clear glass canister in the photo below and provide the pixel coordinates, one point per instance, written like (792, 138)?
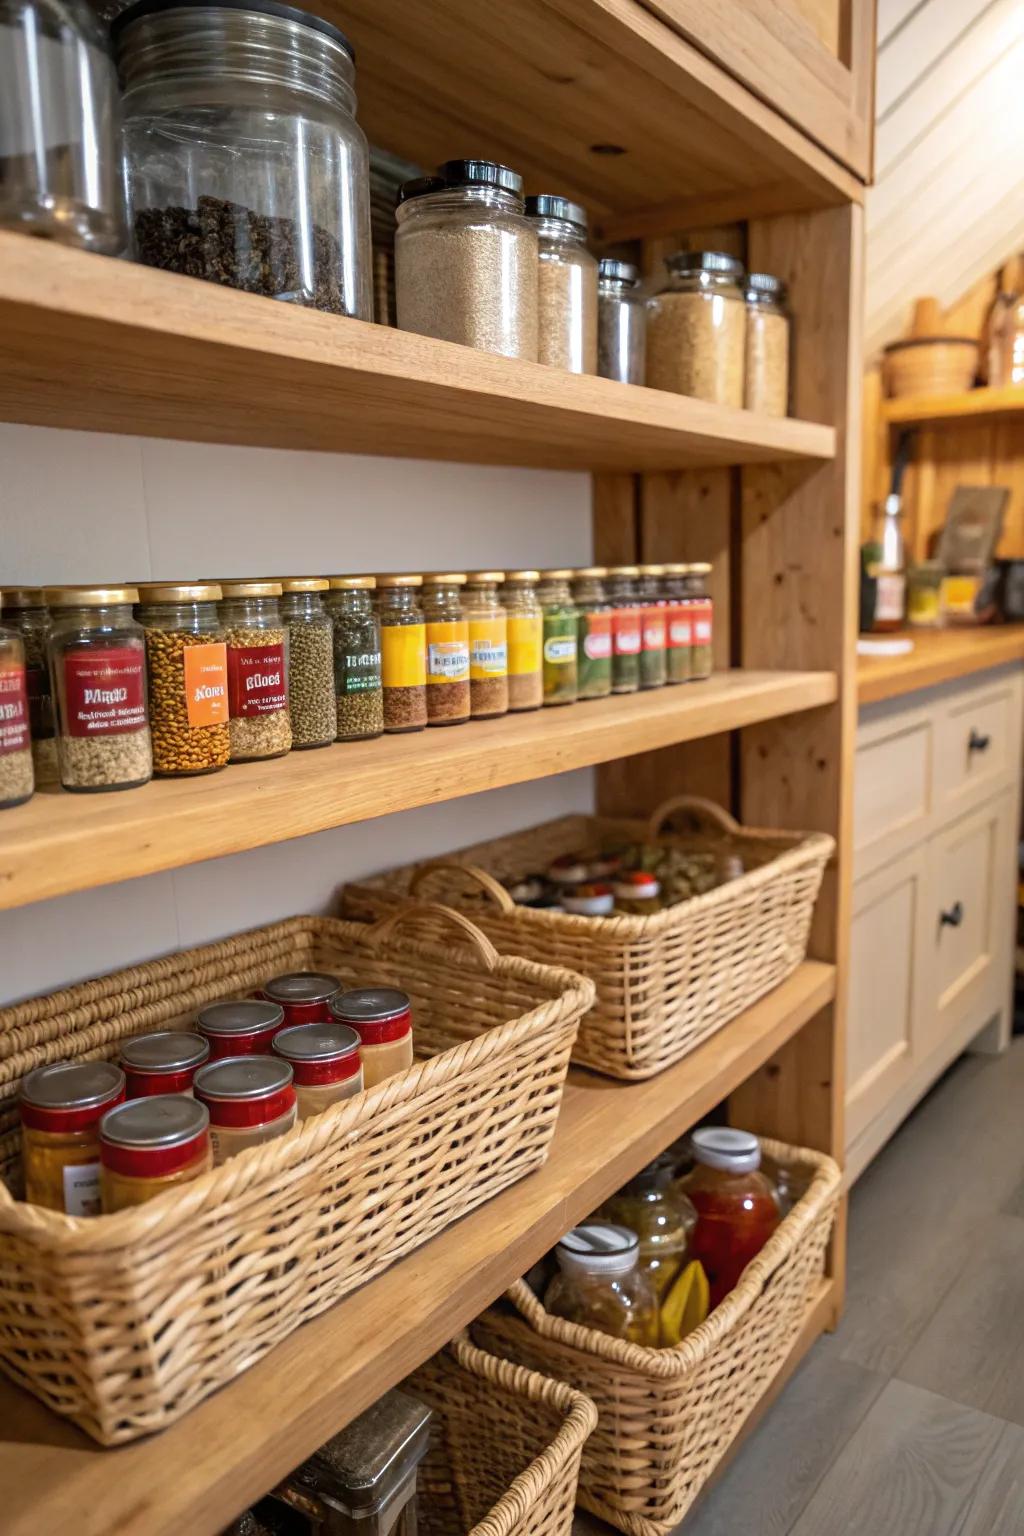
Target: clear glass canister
(382, 1018)
(16, 776)
(244, 162)
(257, 643)
(525, 629)
(566, 285)
(61, 1109)
(98, 677)
(697, 328)
(652, 626)
(678, 625)
(698, 601)
(311, 705)
(766, 387)
(324, 1059)
(627, 630)
(488, 644)
(359, 693)
(595, 632)
(60, 152)
(561, 638)
(187, 668)
(251, 1100)
(621, 322)
(149, 1145)
(448, 689)
(25, 611)
(466, 259)
(601, 1285)
(403, 649)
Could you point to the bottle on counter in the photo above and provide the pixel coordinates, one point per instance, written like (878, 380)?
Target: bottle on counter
(891, 570)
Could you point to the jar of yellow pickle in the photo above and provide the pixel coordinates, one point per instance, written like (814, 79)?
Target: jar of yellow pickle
(149, 1145)
(655, 1208)
(61, 1109)
(601, 1285)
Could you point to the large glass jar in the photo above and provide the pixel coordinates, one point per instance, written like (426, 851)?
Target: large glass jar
(244, 162)
(466, 259)
(488, 645)
(403, 649)
(25, 610)
(16, 776)
(359, 694)
(566, 285)
(698, 601)
(621, 322)
(561, 638)
(766, 387)
(736, 1207)
(60, 155)
(525, 640)
(311, 706)
(678, 626)
(697, 328)
(186, 662)
(601, 1285)
(61, 1109)
(448, 688)
(595, 632)
(652, 626)
(627, 629)
(149, 1145)
(98, 676)
(257, 642)
(652, 1206)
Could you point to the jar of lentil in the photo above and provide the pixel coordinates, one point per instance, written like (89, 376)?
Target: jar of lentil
(251, 1099)
(311, 706)
(767, 360)
(325, 1063)
(98, 673)
(697, 328)
(698, 601)
(525, 627)
(187, 667)
(678, 625)
(652, 626)
(488, 645)
(627, 628)
(466, 259)
(149, 1145)
(303, 996)
(595, 632)
(25, 610)
(561, 638)
(621, 322)
(382, 1018)
(243, 1026)
(403, 649)
(61, 1109)
(448, 691)
(257, 643)
(164, 1062)
(358, 690)
(566, 285)
(16, 776)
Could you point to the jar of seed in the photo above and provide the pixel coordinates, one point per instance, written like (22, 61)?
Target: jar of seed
(16, 778)
(257, 643)
(488, 645)
(561, 638)
(678, 626)
(186, 663)
(766, 387)
(448, 686)
(621, 322)
(566, 285)
(359, 693)
(652, 626)
(311, 706)
(698, 601)
(98, 676)
(403, 649)
(697, 328)
(525, 628)
(595, 632)
(627, 630)
(25, 611)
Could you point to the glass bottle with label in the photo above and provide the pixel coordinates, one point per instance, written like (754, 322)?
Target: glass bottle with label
(25, 611)
(701, 609)
(595, 632)
(627, 631)
(678, 625)
(358, 690)
(488, 645)
(61, 1109)
(525, 640)
(403, 648)
(149, 1145)
(311, 707)
(187, 669)
(561, 638)
(16, 776)
(891, 571)
(257, 644)
(652, 626)
(447, 649)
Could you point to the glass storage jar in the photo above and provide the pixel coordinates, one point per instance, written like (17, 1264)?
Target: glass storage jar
(566, 285)
(595, 632)
(766, 386)
(448, 688)
(924, 596)
(61, 1109)
(561, 638)
(601, 1285)
(251, 1100)
(678, 626)
(698, 600)
(382, 1018)
(257, 649)
(736, 1207)
(60, 152)
(652, 626)
(149, 1145)
(243, 1026)
(311, 707)
(98, 677)
(16, 777)
(304, 996)
(324, 1059)
(697, 328)
(244, 163)
(663, 1218)
(358, 689)
(627, 628)
(466, 259)
(187, 669)
(488, 645)
(525, 626)
(403, 649)
(25, 611)
(164, 1062)
(621, 322)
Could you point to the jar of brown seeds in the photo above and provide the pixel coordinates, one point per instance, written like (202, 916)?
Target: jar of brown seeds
(697, 328)
(186, 661)
(357, 681)
(403, 648)
(314, 714)
(566, 285)
(447, 649)
(257, 643)
(488, 645)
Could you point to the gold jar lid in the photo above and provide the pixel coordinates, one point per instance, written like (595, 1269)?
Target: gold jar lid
(675, 569)
(250, 588)
(560, 575)
(399, 581)
(179, 592)
(624, 570)
(590, 573)
(304, 584)
(445, 579)
(480, 578)
(651, 570)
(22, 597)
(89, 597)
(522, 576)
(352, 583)
(701, 568)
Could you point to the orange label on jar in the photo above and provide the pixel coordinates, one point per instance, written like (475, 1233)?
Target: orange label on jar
(206, 683)
(448, 651)
(403, 655)
(488, 648)
(524, 640)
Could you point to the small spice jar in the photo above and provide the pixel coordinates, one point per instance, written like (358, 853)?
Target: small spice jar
(164, 1062)
(325, 1063)
(766, 387)
(924, 595)
(678, 624)
(488, 645)
(627, 628)
(149, 1145)
(16, 776)
(358, 690)
(251, 1100)
(652, 626)
(25, 611)
(566, 285)
(621, 322)
(98, 675)
(403, 649)
(311, 706)
(698, 601)
(697, 328)
(187, 668)
(382, 1018)
(637, 893)
(525, 628)
(241, 1027)
(448, 694)
(304, 996)
(61, 1109)
(561, 638)
(257, 645)
(595, 632)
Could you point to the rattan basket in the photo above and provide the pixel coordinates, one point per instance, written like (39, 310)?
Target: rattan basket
(664, 983)
(666, 1417)
(124, 1322)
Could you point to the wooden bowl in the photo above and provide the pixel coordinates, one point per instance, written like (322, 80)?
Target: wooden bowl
(930, 365)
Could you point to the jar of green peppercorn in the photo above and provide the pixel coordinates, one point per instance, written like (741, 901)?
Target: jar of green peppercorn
(595, 632)
(678, 627)
(311, 698)
(652, 626)
(627, 635)
(698, 600)
(561, 632)
(358, 689)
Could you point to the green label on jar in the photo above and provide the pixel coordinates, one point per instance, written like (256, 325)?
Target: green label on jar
(358, 671)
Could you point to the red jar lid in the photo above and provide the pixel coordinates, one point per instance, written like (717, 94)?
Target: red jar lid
(149, 1137)
(302, 987)
(377, 1014)
(240, 1019)
(637, 884)
(245, 1090)
(70, 1095)
(169, 1050)
(319, 1053)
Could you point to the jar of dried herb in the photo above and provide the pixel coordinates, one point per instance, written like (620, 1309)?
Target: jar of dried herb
(98, 673)
(627, 631)
(186, 662)
(25, 610)
(697, 328)
(678, 625)
(488, 644)
(16, 778)
(561, 638)
(257, 643)
(359, 693)
(566, 285)
(767, 366)
(621, 322)
(525, 626)
(652, 626)
(403, 648)
(311, 706)
(698, 600)
(595, 632)
(448, 688)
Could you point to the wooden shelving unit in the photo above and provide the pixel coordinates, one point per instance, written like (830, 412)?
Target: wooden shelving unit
(970, 405)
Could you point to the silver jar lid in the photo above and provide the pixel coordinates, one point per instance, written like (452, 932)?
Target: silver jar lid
(706, 261)
(611, 271)
(163, 1120)
(545, 205)
(242, 1016)
(243, 1077)
(719, 1146)
(73, 1085)
(316, 1042)
(302, 987)
(170, 1050)
(598, 1248)
(370, 1005)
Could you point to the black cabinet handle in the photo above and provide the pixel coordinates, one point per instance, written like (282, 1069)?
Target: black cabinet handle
(978, 743)
(954, 917)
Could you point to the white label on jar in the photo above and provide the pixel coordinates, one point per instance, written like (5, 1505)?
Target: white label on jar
(82, 1190)
(448, 659)
(490, 657)
(560, 651)
(702, 631)
(889, 596)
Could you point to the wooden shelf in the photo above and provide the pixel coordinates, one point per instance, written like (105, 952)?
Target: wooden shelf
(938, 656)
(62, 842)
(971, 405)
(201, 1472)
(109, 346)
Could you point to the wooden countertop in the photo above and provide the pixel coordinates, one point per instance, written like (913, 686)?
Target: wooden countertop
(938, 656)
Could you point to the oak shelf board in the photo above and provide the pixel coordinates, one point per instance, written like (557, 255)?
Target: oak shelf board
(970, 405)
(939, 656)
(200, 1473)
(95, 344)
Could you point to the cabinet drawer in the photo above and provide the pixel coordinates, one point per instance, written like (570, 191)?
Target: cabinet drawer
(891, 788)
(977, 745)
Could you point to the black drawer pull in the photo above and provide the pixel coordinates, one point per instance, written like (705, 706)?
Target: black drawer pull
(978, 742)
(954, 917)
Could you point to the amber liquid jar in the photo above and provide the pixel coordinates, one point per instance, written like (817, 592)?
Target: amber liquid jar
(382, 1018)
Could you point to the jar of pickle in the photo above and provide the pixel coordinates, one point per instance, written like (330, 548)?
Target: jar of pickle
(187, 669)
(164, 1062)
(240, 1027)
(403, 646)
(257, 644)
(637, 893)
(736, 1207)
(304, 997)
(697, 328)
(488, 645)
(448, 687)
(525, 640)
(698, 601)
(149, 1145)
(595, 632)
(25, 611)
(325, 1063)
(311, 706)
(16, 777)
(627, 630)
(678, 626)
(382, 1018)
(600, 1284)
(561, 638)
(61, 1109)
(652, 626)
(251, 1100)
(358, 689)
(652, 1206)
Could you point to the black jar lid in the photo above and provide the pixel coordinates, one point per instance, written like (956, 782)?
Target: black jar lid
(262, 7)
(705, 261)
(610, 270)
(480, 173)
(546, 206)
(420, 186)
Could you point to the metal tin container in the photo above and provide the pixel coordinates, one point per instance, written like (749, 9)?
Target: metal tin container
(149, 1145)
(163, 1063)
(242, 1027)
(324, 1059)
(303, 995)
(382, 1018)
(251, 1100)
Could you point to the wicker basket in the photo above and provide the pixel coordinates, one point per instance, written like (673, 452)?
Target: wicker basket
(664, 983)
(124, 1322)
(666, 1417)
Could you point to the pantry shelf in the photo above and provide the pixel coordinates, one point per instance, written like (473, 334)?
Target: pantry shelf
(968, 405)
(199, 1474)
(102, 345)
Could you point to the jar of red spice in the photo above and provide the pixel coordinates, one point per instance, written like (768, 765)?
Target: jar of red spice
(162, 1063)
(243, 1027)
(304, 995)
(382, 1018)
(149, 1145)
(736, 1207)
(61, 1109)
(324, 1059)
(251, 1100)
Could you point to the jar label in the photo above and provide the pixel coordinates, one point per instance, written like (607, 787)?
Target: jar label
(654, 630)
(524, 643)
(448, 651)
(82, 1190)
(889, 596)
(488, 648)
(404, 655)
(206, 683)
(597, 641)
(14, 735)
(359, 671)
(626, 631)
(257, 681)
(105, 690)
(680, 629)
(560, 650)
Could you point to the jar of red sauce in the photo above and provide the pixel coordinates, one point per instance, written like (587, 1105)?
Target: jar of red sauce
(163, 1062)
(243, 1027)
(735, 1203)
(152, 1144)
(305, 996)
(251, 1100)
(324, 1059)
(382, 1018)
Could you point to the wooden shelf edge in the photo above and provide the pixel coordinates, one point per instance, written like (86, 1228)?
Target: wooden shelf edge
(939, 656)
(914, 410)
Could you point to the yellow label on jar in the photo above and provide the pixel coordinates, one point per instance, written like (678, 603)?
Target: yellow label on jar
(448, 651)
(403, 655)
(488, 648)
(524, 638)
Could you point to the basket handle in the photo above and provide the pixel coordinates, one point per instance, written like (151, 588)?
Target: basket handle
(486, 882)
(383, 931)
(702, 809)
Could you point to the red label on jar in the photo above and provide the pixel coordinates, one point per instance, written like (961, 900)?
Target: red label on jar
(680, 630)
(257, 684)
(702, 624)
(105, 691)
(597, 642)
(626, 631)
(13, 711)
(654, 630)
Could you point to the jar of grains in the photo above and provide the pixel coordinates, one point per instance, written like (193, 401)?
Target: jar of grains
(164, 1062)
(698, 601)
(697, 328)
(382, 1018)
(359, 694)
(61, 1109)
(257, 670)
(561, 638)
(767, 367)
(149, 1145)
(525, 627)
(566, 285)
(595, 632)
(488, 645)
(243, 1026)
(311, 706)
(251, 1100)
(678, 626)
(403, 649)
(324, 1059)
(652, 626)
(466, 259)
(16, 777)
(186, 660)
(25, 610)
(447, 649)
(621, 322)
(627, 630)
(98, 674)
(304, 996)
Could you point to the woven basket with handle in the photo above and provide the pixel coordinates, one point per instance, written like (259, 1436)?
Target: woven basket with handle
(665, 983)
(124, 1322)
